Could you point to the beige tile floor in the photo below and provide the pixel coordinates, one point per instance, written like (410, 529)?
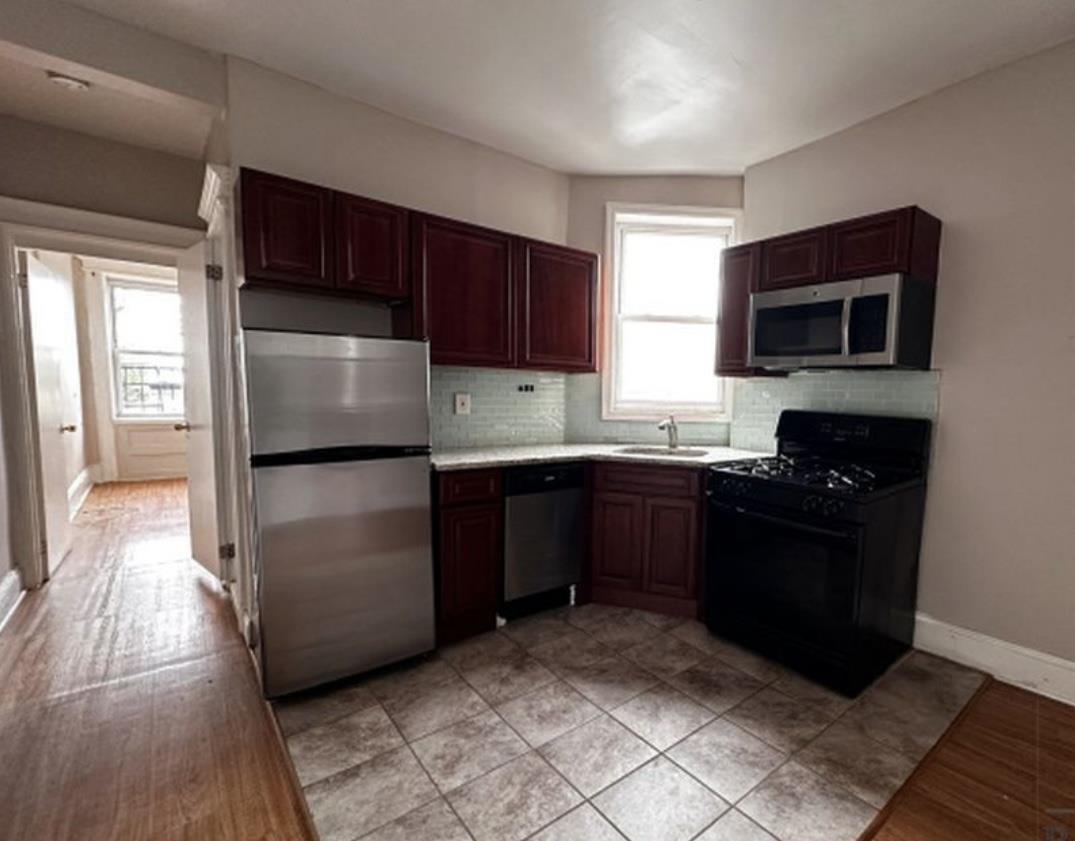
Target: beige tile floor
(603, 724)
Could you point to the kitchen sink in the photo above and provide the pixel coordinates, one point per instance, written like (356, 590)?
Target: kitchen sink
(680, 452)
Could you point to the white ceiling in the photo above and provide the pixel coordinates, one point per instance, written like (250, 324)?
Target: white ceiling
(621, 86)
(102, 111)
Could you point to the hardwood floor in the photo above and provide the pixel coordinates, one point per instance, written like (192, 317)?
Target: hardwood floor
(1005, 771)
(129, 708)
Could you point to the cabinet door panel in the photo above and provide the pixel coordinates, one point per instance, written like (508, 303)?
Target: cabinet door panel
(287, 228)
(739, 277)
(462, 487)
(647, 479)
(557, 304)
(617, 541)
(877, 244)
(794, 260)
(371, 247)
(471, 552)
(671, 546)
(466, 301)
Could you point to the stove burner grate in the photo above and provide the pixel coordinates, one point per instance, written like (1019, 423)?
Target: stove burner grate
(813, 472)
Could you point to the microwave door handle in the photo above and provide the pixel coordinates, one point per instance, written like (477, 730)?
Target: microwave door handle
(845, 327)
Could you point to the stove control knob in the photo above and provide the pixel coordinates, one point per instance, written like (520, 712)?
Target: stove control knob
(741, 488)
(811, 503)
(832, 507)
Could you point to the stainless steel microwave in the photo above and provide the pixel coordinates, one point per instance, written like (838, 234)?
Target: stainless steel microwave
(879, 322)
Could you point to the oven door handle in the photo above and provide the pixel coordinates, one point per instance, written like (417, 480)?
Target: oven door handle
(783, 521)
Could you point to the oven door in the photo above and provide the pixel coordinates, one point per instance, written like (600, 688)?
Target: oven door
(849, 323)
(781, 581)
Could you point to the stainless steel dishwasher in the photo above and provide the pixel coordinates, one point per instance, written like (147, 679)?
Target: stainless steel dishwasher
(543, 529)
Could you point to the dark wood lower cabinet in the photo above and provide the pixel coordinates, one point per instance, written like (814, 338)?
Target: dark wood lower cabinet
(471, 548)
(645, 543)
(470, 552)
(646, 538)
(617, 541)
(672, 546)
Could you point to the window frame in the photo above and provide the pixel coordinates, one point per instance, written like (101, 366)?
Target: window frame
(611, 407)
(113, 280)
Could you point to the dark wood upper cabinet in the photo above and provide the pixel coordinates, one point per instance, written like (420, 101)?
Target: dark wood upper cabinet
(794, 260)
(739, 277)
(672, 546)
(617, 541)
(481, 296)
(556, 301)
(904, 240)
(287, 231)
(371, 248)
(464, 300)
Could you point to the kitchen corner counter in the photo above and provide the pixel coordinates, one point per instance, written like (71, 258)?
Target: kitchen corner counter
(504, 456)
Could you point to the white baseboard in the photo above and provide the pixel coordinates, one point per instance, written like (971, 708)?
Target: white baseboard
(10, 594)
(79, 490)
(1037, 671)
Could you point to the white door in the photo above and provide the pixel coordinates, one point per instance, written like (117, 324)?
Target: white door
(49, 300)
(195, 296)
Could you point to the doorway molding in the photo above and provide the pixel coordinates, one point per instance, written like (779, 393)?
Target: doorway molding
(33, 225)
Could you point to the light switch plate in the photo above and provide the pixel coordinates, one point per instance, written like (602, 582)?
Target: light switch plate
(462, 403)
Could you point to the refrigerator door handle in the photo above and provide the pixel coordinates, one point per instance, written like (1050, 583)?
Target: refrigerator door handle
(334, 455)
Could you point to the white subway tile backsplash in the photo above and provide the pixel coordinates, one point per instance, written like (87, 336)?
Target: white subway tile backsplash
(758, 402)
(567, 408)
(500, 412)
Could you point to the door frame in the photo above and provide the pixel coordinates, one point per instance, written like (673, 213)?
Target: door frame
(31, 225)
(235, 490)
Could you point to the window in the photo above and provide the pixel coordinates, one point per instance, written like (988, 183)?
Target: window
(665, 273)
(147, 349)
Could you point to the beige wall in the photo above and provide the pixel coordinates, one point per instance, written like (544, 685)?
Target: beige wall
(282, 125)
(994, 158)
(590, 193)
(50, 165)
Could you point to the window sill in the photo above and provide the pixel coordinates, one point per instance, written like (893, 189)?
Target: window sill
(657, 417)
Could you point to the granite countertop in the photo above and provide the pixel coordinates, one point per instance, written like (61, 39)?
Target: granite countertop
(468, 457)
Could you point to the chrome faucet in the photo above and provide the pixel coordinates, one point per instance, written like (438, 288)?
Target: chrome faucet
(669, 424)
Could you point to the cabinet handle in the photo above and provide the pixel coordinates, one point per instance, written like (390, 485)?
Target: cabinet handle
(68, 427)
(182, 427)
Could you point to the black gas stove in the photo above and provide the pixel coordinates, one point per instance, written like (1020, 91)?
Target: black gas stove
(814, 472)
(812, 554)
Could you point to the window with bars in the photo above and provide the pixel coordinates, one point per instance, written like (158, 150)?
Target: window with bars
(663, 319)
(147, 349)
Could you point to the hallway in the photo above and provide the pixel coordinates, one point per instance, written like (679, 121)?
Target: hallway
(129, 708)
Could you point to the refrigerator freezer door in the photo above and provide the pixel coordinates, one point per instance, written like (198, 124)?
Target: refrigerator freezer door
(346, 579)
(309, 391)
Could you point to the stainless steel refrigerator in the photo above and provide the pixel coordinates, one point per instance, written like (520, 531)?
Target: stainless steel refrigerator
(339, 430)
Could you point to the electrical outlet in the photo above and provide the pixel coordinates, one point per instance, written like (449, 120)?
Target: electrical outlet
(462, 403)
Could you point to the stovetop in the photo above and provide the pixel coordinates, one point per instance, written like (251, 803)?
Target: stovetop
(816, 473)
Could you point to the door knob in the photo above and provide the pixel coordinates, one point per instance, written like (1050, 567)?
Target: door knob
(182, 427)
(68, 427)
